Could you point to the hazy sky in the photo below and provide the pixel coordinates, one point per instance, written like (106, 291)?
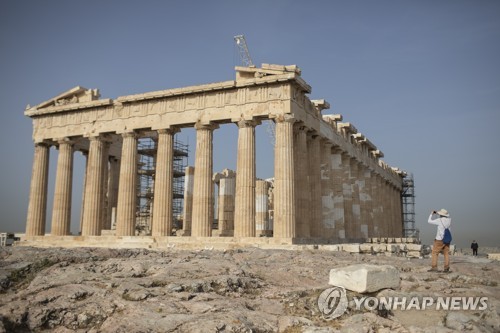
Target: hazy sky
(421, 79)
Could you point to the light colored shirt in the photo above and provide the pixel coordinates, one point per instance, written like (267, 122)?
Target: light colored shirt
(441, 222)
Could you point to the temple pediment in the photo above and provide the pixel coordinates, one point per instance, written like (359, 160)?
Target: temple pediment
(75, 95)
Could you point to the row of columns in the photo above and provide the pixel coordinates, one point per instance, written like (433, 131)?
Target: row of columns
(109, 183)
(319, 191)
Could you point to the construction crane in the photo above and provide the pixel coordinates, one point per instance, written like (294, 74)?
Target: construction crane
(241, 44)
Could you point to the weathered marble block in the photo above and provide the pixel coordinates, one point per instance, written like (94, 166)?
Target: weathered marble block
(365, 278)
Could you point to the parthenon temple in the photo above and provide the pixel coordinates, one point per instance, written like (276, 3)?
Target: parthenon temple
(329, 185)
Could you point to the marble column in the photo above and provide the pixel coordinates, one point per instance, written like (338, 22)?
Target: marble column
(203, 188)
(374, 192)
(390, 204)
(104, 188)
(389, 216)
(244, 203)
(94, 181)
(327, 196)
(284, 181)
(386, 224)
(399, 212)
(361, 182)
(127, 188)
(188, 201)
(37, 209)
(82, 209)
(347, 194)
(113, 179)
(61, 211)
(262, 225)
(226, 180)
(356, 207)
(367, 205)
(163, 187)
(338, 193)
(314, 154)
(378, 222)
(396, 209)
(302, 197)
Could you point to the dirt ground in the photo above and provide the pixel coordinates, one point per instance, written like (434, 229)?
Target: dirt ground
(244, 290)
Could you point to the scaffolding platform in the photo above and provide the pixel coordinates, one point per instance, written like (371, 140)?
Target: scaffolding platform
(146, 169)
(408, 203)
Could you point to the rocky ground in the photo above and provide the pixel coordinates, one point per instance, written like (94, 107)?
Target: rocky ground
(247, 290)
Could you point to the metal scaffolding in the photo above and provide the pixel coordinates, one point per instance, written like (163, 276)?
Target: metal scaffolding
(408, 202)
(181, 153)
(147, 149)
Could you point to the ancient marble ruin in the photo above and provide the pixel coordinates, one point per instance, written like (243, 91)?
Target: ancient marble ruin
(329, 184)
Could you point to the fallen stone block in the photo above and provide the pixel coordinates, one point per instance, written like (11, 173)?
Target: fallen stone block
(365, 278)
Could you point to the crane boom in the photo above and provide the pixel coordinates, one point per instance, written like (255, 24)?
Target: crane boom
(241, 44)
(243, 50)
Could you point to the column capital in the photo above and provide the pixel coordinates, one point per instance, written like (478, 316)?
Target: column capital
(65, 140)
(346, 156)
(206, 126)
(288, 118)
(326, 142)
(354, 162)
(44, 143)
(300, 126)
(243, 123)
(129, 134)
(336, 150)
(97, 137)
(94, 135)
(169, 130)
(105, 140)
(312, 134)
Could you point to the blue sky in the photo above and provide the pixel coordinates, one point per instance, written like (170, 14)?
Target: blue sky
(421, 79)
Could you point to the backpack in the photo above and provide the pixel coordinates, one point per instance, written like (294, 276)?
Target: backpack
(447, 235)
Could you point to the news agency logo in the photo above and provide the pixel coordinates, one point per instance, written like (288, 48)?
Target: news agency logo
(333, 303)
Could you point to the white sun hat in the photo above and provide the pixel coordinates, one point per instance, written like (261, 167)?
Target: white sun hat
(443, 212)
